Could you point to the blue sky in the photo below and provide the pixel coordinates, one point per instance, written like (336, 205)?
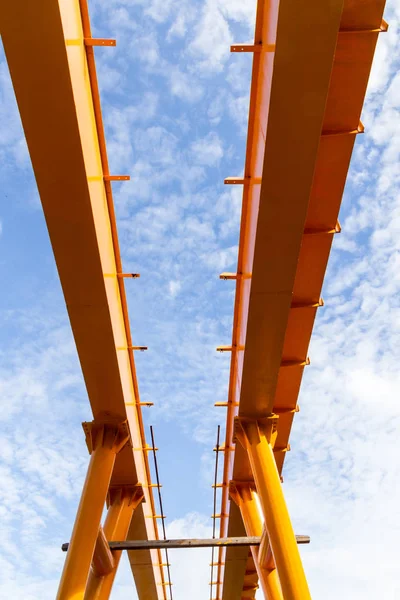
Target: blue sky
(175, 109)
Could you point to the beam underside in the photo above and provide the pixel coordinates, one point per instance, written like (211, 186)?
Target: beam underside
(288, 265)
(53, 89)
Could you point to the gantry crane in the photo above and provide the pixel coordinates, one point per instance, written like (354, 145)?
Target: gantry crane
(311, 63)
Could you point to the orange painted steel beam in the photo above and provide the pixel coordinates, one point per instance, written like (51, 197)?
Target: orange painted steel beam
(313, 87)
(56, 89)
(265, 552)
(257, 437)
(122, 504)
(105, 439)
(103, 560)
(244, 495)
(281, 141)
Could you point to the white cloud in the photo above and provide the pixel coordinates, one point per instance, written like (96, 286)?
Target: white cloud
(13, 147)
(222, 258)
(207, 150)
(41, 465)
(178, 28)
(382, 68)
(212, 40)
(183, 85)
(174, 287)
(160, 10)
(242, 12)
(239, 111)
(190, 570)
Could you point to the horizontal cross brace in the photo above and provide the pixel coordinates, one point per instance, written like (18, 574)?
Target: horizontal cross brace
(279, 410)
(99, 42)
(140, 348)
(117, 177)
(307, 304)
(295, 363)
(229, 348)
(323, 231)
(190, 543)
(223, 448)
(253, 48)
(281, 448)
(382, 29)
(91, 42)
(360, 129)
(236, 180)
(123, 275)
(241, 180)
(226, 276)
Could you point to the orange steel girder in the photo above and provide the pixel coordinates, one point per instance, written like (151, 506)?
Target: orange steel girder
(49, 50)
(244, 494)
(105, 441)
(308, 85)
(122, 503)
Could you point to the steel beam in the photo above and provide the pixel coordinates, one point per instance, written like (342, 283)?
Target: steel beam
(285, 122)
(123, 501)
(103, 560)
(56, 90)
(244, 495)
(105, 440)
(313, 84)
(257, 438)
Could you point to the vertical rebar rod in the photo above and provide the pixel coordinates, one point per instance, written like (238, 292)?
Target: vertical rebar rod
(161, 507)
(215, 509)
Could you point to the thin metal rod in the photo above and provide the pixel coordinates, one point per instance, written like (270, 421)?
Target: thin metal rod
(216, 478)
(190, 543)
(214, 510)
(161, 507)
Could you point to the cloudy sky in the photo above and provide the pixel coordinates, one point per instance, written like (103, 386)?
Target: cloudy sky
(175, 109)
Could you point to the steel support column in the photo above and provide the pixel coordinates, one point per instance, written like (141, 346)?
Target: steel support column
(244, 496)
(103, 560)
(257, 437)
(104, 438)
(122, 504)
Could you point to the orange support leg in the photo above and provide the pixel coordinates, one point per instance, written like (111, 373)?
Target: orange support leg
(104, 439)
(257, 437)
(244, 496)
(122, 504)
(265, 555)
(103, 560)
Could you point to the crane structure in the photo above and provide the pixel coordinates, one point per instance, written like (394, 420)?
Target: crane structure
(307, 92)
(311, 64)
